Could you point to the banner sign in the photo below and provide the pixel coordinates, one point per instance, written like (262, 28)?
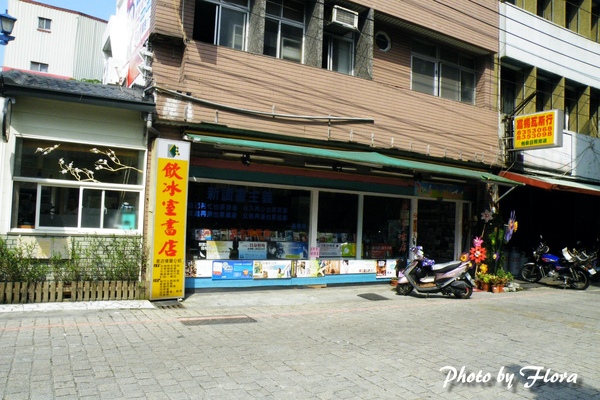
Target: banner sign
(538, 131)
(232, 269)
(167, 273)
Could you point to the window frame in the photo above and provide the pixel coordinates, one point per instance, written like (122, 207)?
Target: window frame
(437, 78)
(220, 7)
(39, 67)
(44, 24)
(329, 53)
(283, 22)
(38, 187)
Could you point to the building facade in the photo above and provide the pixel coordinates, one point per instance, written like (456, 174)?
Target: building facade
(549, 60)
(73, 161)
(326, 136)
(55, 41)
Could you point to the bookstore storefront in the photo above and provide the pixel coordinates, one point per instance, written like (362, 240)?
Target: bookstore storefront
(252, 224)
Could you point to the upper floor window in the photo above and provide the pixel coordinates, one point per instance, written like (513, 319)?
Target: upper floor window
(40, 67)
(284, 29)
(443, 71)
(221, 22)
(338, 53)
(44, 24)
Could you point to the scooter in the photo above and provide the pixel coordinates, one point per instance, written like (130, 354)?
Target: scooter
(575, 268)
(425, 276)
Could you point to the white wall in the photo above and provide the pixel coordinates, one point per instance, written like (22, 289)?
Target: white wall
(47, 119)
(541, 43)
(73, 47)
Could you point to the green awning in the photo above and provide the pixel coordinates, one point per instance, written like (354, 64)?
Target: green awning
(369, 159)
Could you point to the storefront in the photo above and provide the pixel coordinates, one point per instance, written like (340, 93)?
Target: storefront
(564, 212)
(271, 214)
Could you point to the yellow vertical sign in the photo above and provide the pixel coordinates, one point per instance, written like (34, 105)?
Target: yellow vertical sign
(169, 227)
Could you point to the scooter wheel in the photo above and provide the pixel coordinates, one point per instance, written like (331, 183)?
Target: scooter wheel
(581, 281)
(463, 293)
(404, 289)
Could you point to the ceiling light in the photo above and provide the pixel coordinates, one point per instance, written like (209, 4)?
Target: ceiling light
(390, 173)
(254, 157)
(444, 179)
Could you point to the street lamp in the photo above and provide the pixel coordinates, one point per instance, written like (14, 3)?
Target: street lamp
(7, 23)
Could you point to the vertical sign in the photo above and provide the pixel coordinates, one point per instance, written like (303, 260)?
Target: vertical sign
(538, 131)
(168, 254)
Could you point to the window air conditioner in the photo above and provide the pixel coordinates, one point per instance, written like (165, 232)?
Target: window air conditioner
(344, 17)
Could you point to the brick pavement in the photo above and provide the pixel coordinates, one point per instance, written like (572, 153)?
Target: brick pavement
(327, 343)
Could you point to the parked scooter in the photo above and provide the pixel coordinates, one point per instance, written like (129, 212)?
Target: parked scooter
(575, 268)
(424, 276)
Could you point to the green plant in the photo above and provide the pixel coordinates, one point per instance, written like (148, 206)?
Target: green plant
(19, 264)
(504, 276)
(484, 277)
(90, 258)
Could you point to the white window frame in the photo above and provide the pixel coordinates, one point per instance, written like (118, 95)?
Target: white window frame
(38, 66)
(437, 75)
(220, 6)
(118, 228)
(44, 24)
(331, 52)
(280, 20)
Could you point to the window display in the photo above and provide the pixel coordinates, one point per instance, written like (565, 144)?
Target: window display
(230, 222)
(337, 224)
(386, 222)
(71, 185)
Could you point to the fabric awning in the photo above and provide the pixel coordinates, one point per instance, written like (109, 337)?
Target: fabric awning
(548, 183)
(370, 159)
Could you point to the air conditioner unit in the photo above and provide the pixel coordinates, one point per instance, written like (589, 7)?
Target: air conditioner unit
(343, 16)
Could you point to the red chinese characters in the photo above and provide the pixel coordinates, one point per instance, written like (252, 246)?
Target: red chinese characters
(170, 171)
(533, 130)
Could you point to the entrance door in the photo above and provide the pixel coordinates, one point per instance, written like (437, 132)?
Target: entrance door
(436, 229)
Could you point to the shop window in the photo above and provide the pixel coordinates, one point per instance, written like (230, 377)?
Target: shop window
(68, 185)
(443, 71)
(284, 29)
(337, 224)
(247, 222)
(385, 227)
(338, 53)
(221, 22)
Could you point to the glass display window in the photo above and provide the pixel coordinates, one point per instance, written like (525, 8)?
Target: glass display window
(386, 224)
(237, 222)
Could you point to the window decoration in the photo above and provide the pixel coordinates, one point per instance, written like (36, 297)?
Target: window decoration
(70, 186)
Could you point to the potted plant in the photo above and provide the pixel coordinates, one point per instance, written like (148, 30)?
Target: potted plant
(485, 280)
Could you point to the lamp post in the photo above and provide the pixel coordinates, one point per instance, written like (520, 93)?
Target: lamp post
(7, 23)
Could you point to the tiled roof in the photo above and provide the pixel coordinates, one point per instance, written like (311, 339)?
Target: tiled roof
(17, 82)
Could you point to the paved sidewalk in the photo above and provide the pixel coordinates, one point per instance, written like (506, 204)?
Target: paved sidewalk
(356, 342)
(80, 305)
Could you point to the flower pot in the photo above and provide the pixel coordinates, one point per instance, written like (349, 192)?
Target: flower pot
(485, 286)
(497, 288)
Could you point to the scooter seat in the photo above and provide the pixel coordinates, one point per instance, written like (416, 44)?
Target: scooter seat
(444, 267)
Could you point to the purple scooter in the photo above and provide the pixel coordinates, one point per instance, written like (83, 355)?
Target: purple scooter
(424, 276)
